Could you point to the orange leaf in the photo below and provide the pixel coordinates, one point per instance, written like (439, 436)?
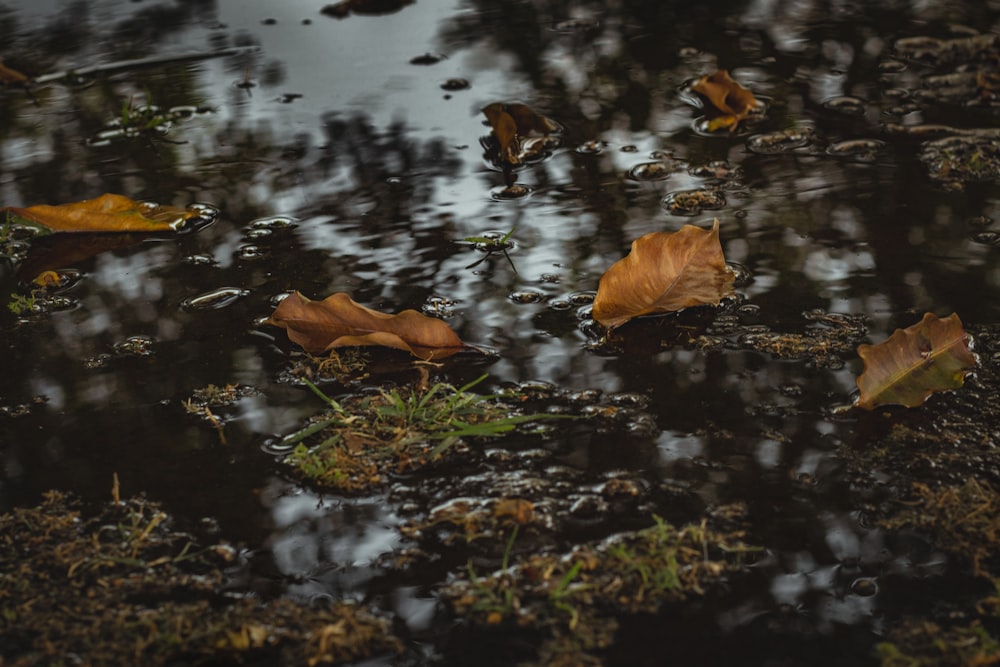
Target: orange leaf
(11, 77)
(512, 123)
(107, 213)
(932, 355)
(662, 273)
(728, 98)
(339, 321)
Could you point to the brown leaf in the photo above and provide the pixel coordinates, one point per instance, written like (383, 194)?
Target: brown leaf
(11, 77)
(731, 103)
(514, 122)
(662, 273)
(339, 321)
(107, 213)
(932, 355)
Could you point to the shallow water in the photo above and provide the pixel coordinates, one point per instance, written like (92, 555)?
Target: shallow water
(339, 165)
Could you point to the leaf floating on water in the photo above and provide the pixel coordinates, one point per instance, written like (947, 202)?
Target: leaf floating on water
(107, 213)
(664, 272)
(339, 321)
(11, 77)
(932, 355)
(730, 102)
(514, 125)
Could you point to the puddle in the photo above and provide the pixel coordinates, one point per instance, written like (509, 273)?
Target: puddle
(346, 150)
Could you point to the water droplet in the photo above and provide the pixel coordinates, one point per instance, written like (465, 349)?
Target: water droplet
(864, 587)
(141, 346)
(506, 193)
(849, 106)
(592, 147)
(526, 296)
(274, 223)
(693, 202)
(650, 171)
(455, 84)
(215, 299)
(251, 252)
(779, 142)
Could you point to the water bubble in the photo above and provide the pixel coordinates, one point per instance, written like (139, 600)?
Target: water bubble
(454, 84)
(393, 180)
(274, 222)
(629, 400)
(251, 252)
(749, 309)
(526, 296)
(278, 446)
(215, 299)
(779, 142)
(847, 105)
(549, 278)
(864, 587)
(200, 260)
(891, 66)
(439, 306)
(427, 59)
(141, 346)
(693, 202)
(581, 298)
(510, 192)
(278, 298)
(257, 234)
(592, 147)
(987, 238)
(650, 171)
(720, 170)
(860, 149)
(980, 221)
(742, 276)
(629, 148)
(560, 304)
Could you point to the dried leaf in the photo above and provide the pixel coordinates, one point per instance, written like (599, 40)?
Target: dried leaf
(932, 355)
(730, 102)
(662, 273)
(107, 213)
(339, 321)
(512, 124)
(11, 77)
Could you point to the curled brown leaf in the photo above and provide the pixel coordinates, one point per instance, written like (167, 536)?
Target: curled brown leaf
(730, 103)
(513, 123)
(339, 321)
(662, 273)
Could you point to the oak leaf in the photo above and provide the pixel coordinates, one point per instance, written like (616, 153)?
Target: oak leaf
(932, 355)
(339, 321)
(730, 102)
(513, 125)
(664, 272)
(107, 213)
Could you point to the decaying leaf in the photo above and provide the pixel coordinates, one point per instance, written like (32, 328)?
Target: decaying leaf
(11, 77)
(339, 321)
(932, 355)
(513, 126)
(107, 213)
(664, 272)
(729, 102)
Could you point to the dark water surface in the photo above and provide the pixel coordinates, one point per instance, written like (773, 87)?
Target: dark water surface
(328, 124)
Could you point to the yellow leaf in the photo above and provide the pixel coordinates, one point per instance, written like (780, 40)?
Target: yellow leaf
(730, 103)
(107, 213)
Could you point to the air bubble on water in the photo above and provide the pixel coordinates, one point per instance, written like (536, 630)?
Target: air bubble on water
(215, 299)
(454, 84)
(779, 142)
(278, 298)
(629, 148)
(742, 276)
(693, 202)
(251, 252)
(650, 171)
(200, 260)
(860, 149)
(592, 147)
(987, 238)
(847, 105)
(864, 586)
(526, 296)
(141, 346)
(274, 223)
(510, 192)
(257, 234)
